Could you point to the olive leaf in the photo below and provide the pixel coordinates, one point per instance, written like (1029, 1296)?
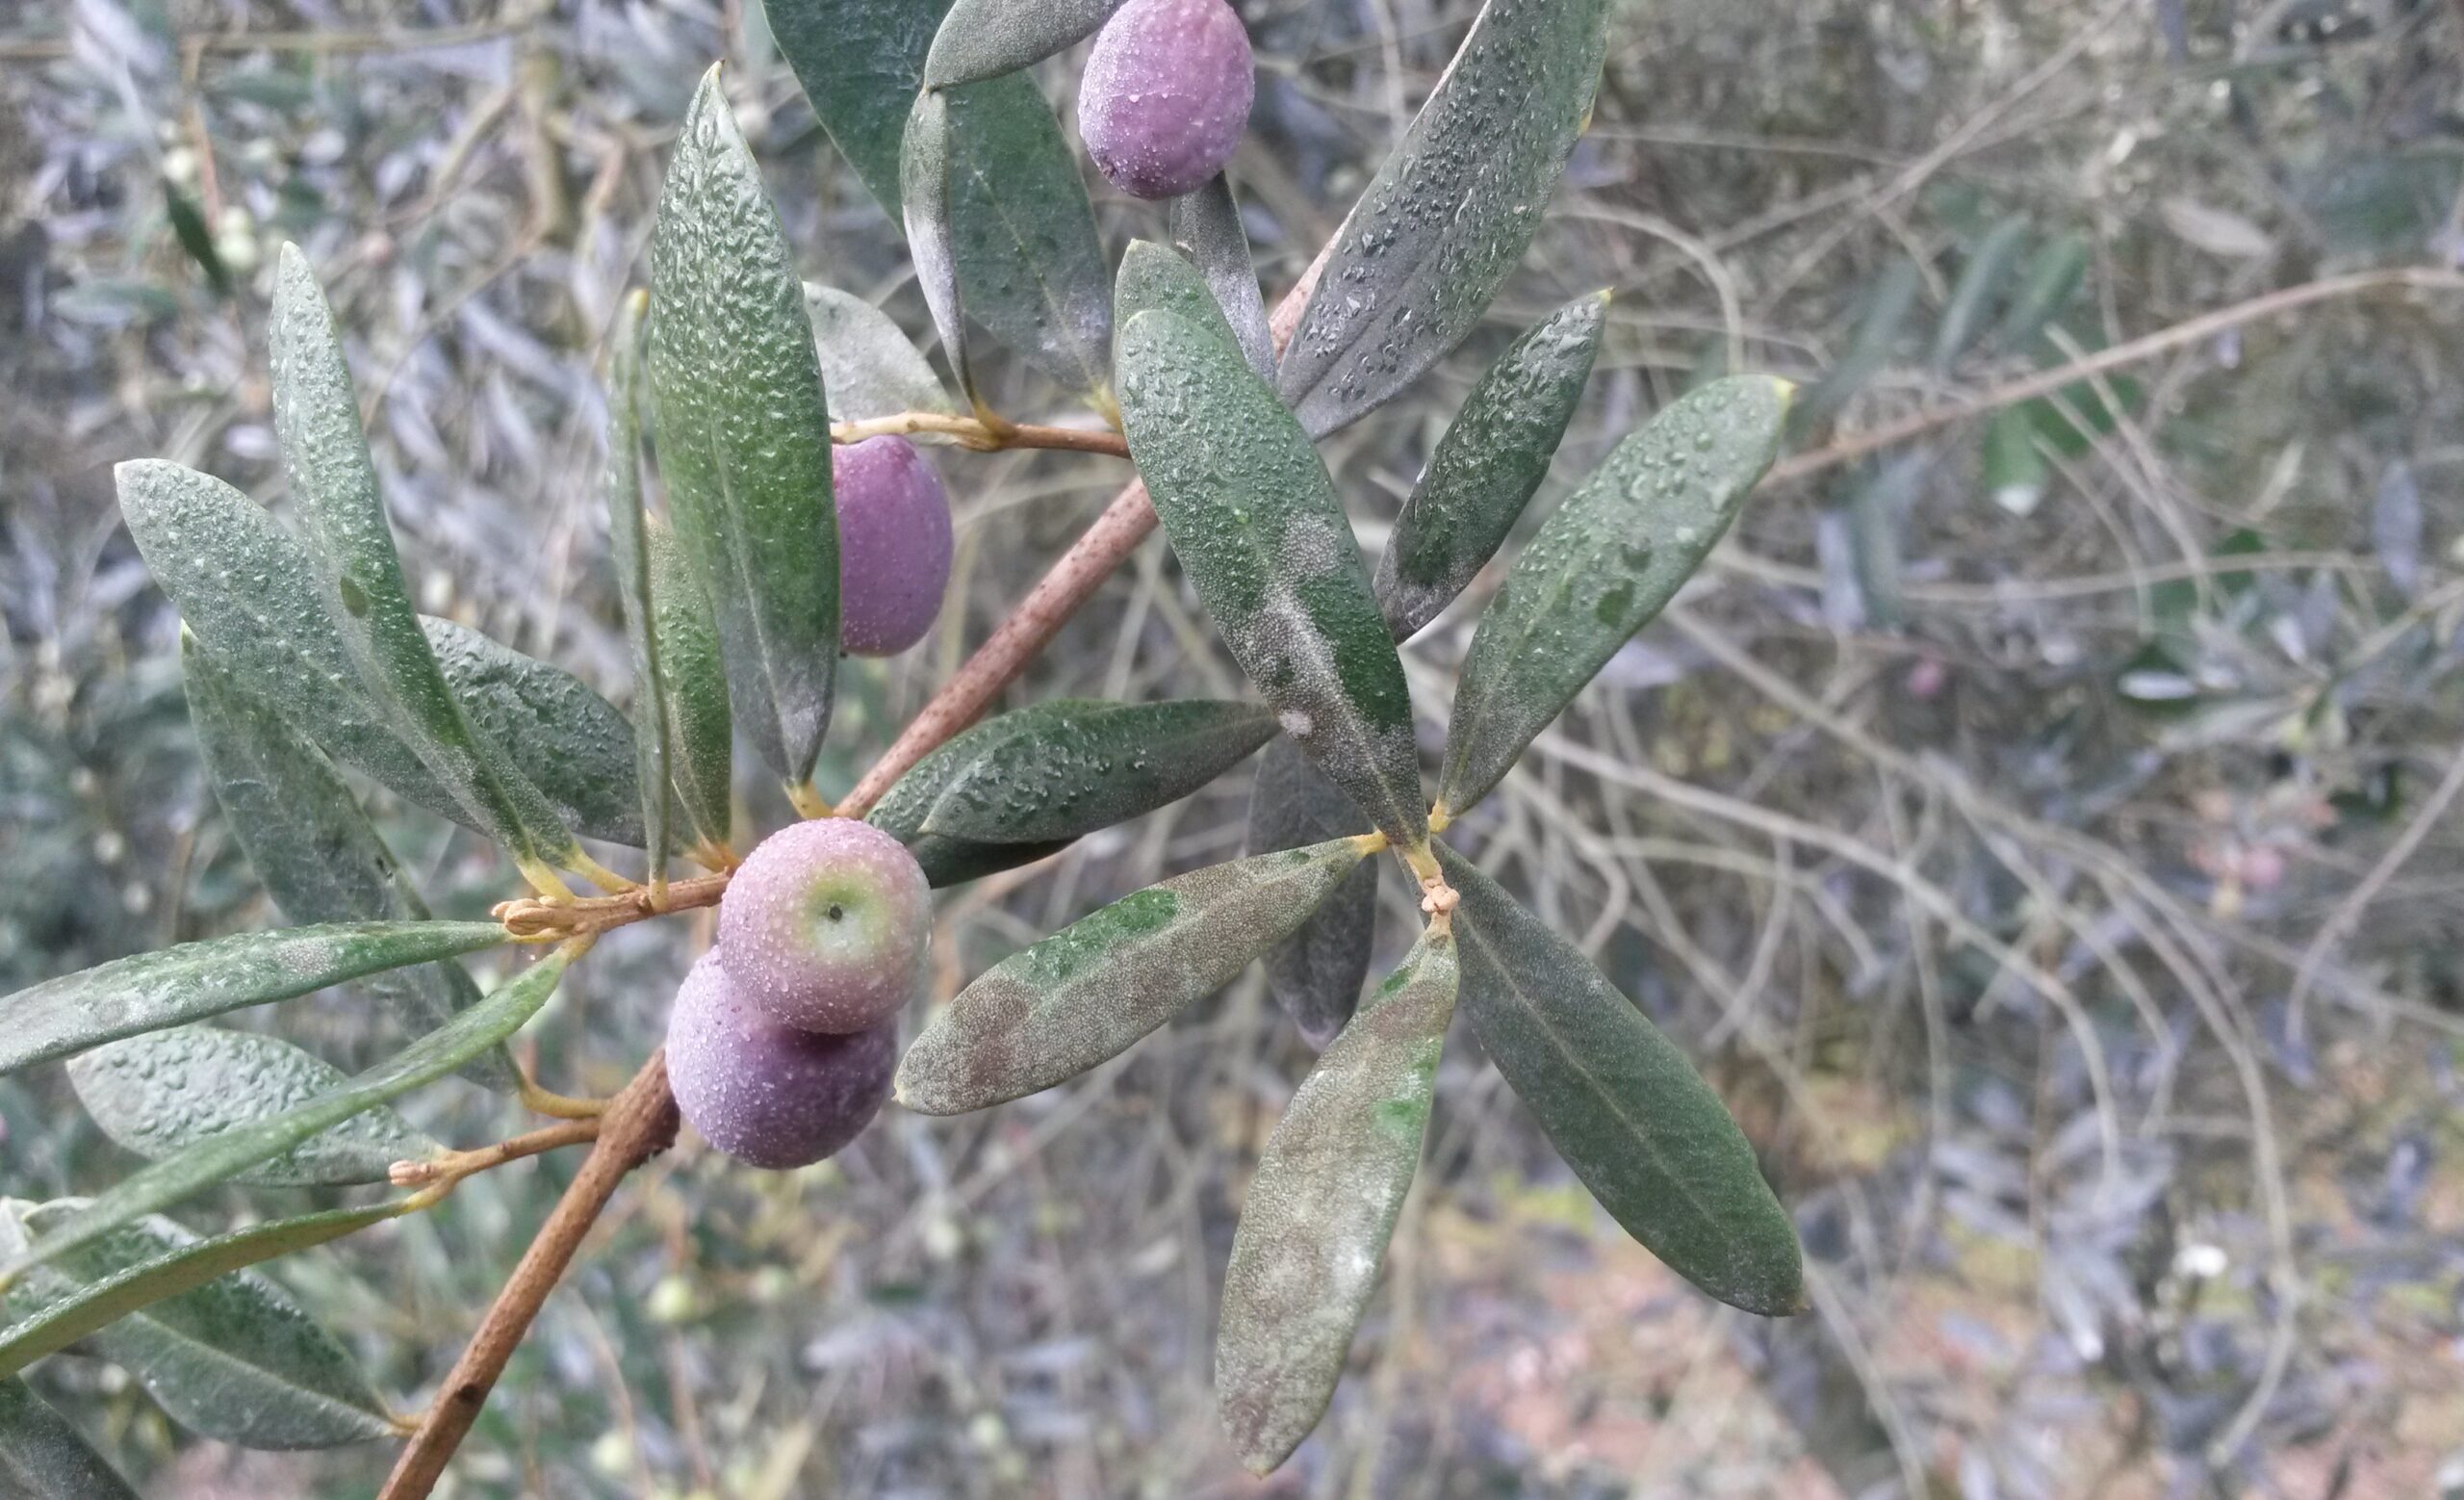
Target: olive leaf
(699, 726)
(1315, 1222)
(984, 38)
(350, 545)
(1488, 465)
(1981, 281)
(572, 744)
(1066, 767)
(1253, 519)
(1090, 991)
(2015, 473)
(859, 62)
(1316, 973)
(159, 1094)
(1155, 276)
(1601, 567)
(1888, 303)
(43, 1457)
(310, 844)
(1450, 212)
(867, 365)
(924, 183)
(744, 434)
(249, 593)
(1632, 1119)
(146, 991)
(1000, 229)
(224, 1351)
(953, 862)
(2051, 277)
(218, 1157)
(1206, 227)
(629, 553)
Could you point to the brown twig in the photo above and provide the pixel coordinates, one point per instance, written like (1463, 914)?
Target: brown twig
(455, 1166)
(984, 437)
(2207, 325)
(638, 1125)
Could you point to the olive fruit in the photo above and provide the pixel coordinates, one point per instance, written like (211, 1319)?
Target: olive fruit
(766, 1093)
(1166, 95)
(893, 544)
(824, 927)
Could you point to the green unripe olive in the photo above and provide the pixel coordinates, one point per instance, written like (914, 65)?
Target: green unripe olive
(766, 1094)
(825, 926)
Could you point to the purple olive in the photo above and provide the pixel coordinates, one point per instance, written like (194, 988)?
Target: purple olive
(768, 1095)
(893, 544)
(1166, 95)
(825, 925)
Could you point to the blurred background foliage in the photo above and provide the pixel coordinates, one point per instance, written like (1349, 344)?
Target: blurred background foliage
(2041, 829)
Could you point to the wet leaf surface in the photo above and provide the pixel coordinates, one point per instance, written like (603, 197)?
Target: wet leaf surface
(1090, 991)
(159, 1094)
(190, 981)
(1450, 212)
(1601, 567)
(1488, 465)
(744, 436)
(1623, 1107)
(1317, 1214)
(1253, 519)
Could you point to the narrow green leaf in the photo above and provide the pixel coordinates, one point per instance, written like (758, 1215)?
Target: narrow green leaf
(324, 457)
(159, 1094)
(572, 744)
(744, 434)
(953, 862)
(925, 179)
(1488, 465)
(1155, 276)
(1028, 264)
(629, 553)
(700, 727)
(249, 594)
(1601, 567)
(2046, 288)
(860, 61)
(1068, 766)
(2015, 473)
(985, 38)
(1450, 212)
(43, 1457)
(316, 853)
(867, 365)
(1315, 1223)
(146, 991)
(1981, 281)
(1316, 973)
(224, 1351)
(1888, 303)
(1254, 520)
(1206, 227)
(1632, 1119)
(218, 1157)
(188, 224)
(1090, 991)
